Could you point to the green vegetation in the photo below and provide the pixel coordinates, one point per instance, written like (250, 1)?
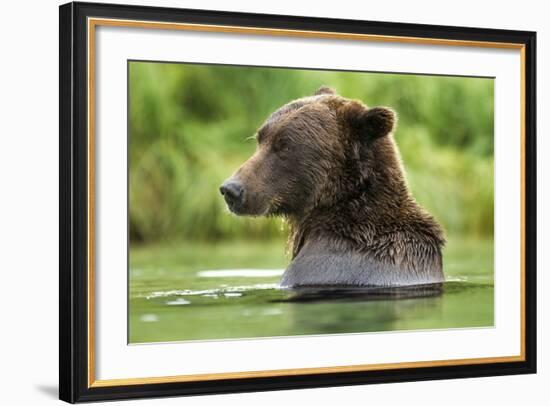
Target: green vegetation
(190, 127)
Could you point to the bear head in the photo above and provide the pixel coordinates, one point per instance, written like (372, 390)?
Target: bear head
(314, 152)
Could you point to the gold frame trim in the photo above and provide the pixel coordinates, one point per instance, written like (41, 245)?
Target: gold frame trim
(94, 22)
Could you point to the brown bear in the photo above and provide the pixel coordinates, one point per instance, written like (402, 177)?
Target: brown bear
(331, 167)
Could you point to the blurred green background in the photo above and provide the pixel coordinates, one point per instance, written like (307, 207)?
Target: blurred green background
(190, 127)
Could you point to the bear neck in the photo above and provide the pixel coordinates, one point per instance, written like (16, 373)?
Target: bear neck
(378, 195)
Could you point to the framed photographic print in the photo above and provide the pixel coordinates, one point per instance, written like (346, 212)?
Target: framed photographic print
(256, 202)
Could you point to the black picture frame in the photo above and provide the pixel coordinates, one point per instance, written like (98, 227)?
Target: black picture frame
(74, 199)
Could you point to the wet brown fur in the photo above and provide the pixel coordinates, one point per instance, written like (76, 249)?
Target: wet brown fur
(330, 165)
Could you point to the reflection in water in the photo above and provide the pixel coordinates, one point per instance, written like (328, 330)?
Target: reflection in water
(197, 293)
(265, 310)
(338, 309)
(323, 293)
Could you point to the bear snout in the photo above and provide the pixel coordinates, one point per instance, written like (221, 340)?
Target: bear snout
(232, 191)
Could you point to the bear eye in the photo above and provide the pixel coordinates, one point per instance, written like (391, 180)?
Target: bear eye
(282, 146)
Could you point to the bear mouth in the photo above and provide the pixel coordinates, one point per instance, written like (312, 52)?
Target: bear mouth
(234, 208)
(242, 208)
(238, 207)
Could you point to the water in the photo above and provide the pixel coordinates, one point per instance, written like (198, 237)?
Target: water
(183, 292)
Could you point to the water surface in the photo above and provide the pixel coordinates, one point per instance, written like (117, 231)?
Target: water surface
(189, 291)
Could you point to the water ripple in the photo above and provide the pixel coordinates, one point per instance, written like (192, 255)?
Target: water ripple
(242, 273)
(211, 292)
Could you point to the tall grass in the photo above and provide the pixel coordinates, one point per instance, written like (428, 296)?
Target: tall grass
(189, 127)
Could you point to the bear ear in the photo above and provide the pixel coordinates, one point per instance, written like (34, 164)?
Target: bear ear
(373, 123)
(324, 90)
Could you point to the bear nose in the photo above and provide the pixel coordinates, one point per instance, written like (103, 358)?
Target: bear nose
(232, 191)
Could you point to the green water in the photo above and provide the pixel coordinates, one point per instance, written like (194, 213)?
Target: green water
(191, 291)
